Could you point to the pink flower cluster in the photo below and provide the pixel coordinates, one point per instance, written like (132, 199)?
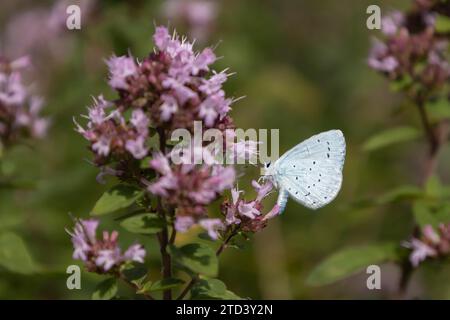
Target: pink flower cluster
(111, 135)
(198, 16)
(41, 31)
(248, 214)
(101, 255)
(19, 109)
(171, 88)
(191, 188)
(430, 244)
(412, 50)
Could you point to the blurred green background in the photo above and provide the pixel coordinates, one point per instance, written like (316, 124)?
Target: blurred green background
(301, 65)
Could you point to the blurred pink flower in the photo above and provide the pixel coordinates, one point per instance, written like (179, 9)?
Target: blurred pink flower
(184, 223)
(198, 15)
(19, 109)
(212, 226)
(420, 251)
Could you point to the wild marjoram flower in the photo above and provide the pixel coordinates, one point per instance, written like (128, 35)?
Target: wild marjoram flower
(170, 89)
(430, 244)
(19, 109)
(411, 52)
(101, 255)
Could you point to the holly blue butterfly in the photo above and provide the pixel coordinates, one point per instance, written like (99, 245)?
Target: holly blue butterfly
(311, 172)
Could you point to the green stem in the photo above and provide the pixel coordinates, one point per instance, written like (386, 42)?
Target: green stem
(436, 138)
(163, 236)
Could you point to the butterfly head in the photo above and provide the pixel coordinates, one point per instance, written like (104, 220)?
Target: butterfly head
(267, 171)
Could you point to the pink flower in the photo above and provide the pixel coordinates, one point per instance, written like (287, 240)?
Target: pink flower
(203, 60)
(212, 226)
(272, 213)
(90, 229)
(21, 63)
(222, 178)
(184, 223)
(12, 91)
(137, 147)
(161, 38)
(248, 209)
(420, 251)
(231, 217)
(188, 186)
(119, 69)
(379, 58)
(387, 64)
(97, 114)
(135, 253)
(214, 84)
(248, 214)
(199, 15)
(101, 255)
(164, 185)
(430, 235)
(263, 190)
(101, 147)
(235, 194)
(106, 259)
(391, 22)
(182, 93)
(39, 127)
(208, 113)
(140, 121)
(168, 107)
(160, 164)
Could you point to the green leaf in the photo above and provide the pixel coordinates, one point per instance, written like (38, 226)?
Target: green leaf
(8, 167)
(105, 290)
(205, 236)
(443, 213)
(391, 136)
(14, 255)
(146, 223)
(350, 261)
(161, 285)
(135, 272)
(118, 197)
(212, 289)
(423, 214)
(196, 257)
(400, 193)
(442, 24)
(433, 187)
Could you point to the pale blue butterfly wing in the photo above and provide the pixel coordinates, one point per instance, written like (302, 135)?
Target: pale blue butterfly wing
(311, 172)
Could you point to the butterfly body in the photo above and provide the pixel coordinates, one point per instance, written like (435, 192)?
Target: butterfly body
(311, 172)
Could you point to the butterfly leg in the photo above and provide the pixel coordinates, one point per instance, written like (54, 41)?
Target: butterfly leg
(283, 196)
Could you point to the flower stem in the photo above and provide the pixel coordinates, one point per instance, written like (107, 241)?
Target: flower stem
(436, 137)
(163, 236)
